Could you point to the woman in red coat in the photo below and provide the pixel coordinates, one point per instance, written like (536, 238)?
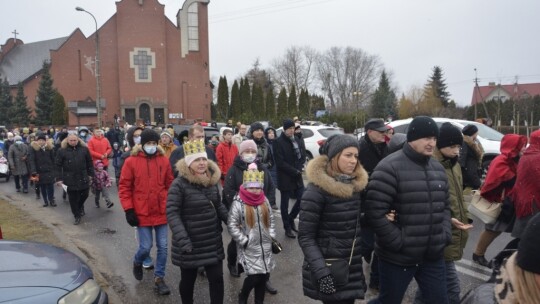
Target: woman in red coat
(498, 185)
(100, 148)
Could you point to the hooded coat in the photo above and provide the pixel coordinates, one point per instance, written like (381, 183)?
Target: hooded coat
(526, 196)
(74, 165)
(329, 216)
(18, 159)
(458, 207)
(42, 162)
(99, 146)
(470, 160)
(502, 170)
(143, 186)
(195, 213)
(254, 244)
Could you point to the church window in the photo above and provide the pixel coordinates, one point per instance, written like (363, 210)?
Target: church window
(193, 27)
(142, 60)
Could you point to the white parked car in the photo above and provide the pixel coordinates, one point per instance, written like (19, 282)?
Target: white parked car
(314, 137)
(488, 137)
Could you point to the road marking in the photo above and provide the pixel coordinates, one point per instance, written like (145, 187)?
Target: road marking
(472, 273)
(474, 265)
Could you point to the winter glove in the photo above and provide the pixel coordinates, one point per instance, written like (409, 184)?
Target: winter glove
(131, 218)
(326, 285)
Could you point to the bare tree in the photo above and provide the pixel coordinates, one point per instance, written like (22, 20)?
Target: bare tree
(295, 68)
(343, 71)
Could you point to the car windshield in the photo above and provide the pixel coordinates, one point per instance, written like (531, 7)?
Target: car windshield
(486, 132)
(329, 132)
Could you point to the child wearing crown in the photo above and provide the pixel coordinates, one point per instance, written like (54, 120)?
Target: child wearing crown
(251, 225)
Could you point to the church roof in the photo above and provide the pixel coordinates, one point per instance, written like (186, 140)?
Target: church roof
(25, 60)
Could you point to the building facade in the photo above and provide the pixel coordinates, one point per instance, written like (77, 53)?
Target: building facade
(150, 70)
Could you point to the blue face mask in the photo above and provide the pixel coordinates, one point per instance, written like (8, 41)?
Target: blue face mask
(150, 150)
(249, 158)
(137, 140)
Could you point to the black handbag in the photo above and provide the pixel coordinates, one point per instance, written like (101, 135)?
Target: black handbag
(276, 246)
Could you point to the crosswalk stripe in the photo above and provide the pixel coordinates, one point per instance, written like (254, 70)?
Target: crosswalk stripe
(472, 273)
(477, 267)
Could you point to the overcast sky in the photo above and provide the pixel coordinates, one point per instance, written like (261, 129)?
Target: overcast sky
(497, 37)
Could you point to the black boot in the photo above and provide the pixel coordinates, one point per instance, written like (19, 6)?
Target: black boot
(293, 225)
(290, 234)
(137, 271)
(269, 288)
(480, 259)
(53, 203)
(160, 287)
(97, 204)
(242, 298)
(77, 221)
(45, 204)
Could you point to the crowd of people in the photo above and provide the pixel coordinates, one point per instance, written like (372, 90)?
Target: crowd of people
(395, 201)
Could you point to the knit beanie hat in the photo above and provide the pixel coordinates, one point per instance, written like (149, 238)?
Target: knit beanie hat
(193, 150)
(287, 123)
(337, 143)
(256, 126)
(41, 135)
(469, 130)
(421, 127)
(17, 138)
(166, 133)
(529, 246)
(98, 163)
(449, 135)
(247, 144)
(149, 135)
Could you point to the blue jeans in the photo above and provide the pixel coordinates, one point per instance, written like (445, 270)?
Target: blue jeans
(145, 245)
(285, 215)
(395, 279)
(452, 285)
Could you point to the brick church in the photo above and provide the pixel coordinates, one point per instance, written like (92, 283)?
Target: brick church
(150, 69)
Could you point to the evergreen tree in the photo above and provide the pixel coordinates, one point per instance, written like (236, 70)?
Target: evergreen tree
(383, 103)
(282, 105)
(21, 113)
(245, 98)
(236, 103)
(6, 103)
(223, 99)
(45, 96)
(303, 104)
(437, 84)
(270, 104)
(291, 102)
(59, 109)
(257, 102)
(317, 103)
(213, 111)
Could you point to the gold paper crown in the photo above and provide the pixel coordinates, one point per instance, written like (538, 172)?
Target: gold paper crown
(195, 146)
(253, 176)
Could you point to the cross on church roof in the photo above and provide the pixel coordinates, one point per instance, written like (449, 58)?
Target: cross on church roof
(15, 33)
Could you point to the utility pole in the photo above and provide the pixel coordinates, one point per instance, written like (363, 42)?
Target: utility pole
(482, 98)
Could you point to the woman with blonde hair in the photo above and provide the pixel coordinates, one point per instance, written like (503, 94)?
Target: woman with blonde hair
(329, 222)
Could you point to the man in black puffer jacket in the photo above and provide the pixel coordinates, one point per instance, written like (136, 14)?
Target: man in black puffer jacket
(413, 186)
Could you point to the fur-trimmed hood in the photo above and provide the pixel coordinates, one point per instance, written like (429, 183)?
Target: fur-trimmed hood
(49, 145)
(474, 146)
(64, 143)
(138, 148)
(205, 181)
(316, 174)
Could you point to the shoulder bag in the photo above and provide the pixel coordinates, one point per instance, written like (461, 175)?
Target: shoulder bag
(486, 211)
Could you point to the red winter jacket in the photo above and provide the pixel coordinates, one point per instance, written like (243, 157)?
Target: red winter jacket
(144, 184)
(99, 147)
(225, 154)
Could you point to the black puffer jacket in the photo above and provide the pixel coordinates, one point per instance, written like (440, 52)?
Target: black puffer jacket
(42, 162)
(235, 178)
(194, 214)
(329, 213)
(289, 167)
(74, 165)
(416, 187)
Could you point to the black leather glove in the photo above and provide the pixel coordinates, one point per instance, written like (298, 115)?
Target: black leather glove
(326, 285)
(131, 218)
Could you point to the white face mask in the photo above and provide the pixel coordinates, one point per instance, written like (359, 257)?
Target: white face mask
(249, 158)
(137, 140)
(150, 150)
(18, 142)
(83, 133)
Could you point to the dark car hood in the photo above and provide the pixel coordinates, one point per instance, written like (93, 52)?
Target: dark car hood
(28, 264)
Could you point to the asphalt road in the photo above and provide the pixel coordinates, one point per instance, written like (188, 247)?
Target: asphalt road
(109, 244)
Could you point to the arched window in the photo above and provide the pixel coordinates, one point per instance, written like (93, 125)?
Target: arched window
(193, 27)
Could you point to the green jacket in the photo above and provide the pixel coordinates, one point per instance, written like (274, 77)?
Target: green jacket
(458, 208)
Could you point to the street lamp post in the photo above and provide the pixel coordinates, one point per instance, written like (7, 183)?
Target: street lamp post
(356, 95)
(98, 76)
